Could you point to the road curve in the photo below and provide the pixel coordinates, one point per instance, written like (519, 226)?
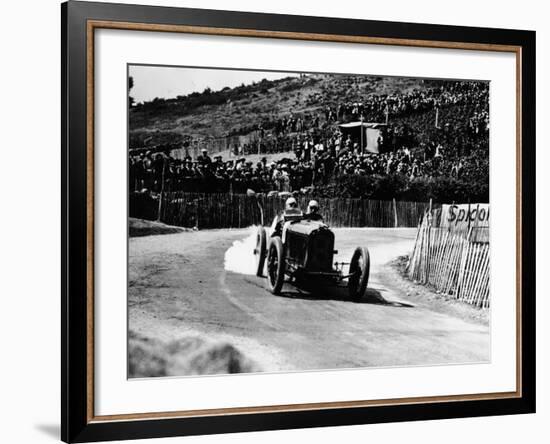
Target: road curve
(178, 285)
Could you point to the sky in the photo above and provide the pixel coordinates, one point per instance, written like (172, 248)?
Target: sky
(169, 82)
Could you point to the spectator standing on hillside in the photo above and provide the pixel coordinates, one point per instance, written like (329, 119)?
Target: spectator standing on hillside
(307, 150)
(204, 160)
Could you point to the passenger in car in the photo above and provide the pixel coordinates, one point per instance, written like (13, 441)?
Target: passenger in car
(312, 212)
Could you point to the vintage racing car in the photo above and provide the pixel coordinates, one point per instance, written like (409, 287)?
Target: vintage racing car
(303, 250)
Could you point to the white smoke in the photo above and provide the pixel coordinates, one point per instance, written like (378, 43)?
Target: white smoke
(240, 258)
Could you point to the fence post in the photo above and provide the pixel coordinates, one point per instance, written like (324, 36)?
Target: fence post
(197, 208)
(395, 224)
(159, 209)
(161, 191)
(469, 218)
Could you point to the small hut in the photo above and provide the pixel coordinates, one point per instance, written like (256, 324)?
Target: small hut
(366, 134)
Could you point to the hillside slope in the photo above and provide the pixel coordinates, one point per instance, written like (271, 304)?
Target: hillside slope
(239, 110)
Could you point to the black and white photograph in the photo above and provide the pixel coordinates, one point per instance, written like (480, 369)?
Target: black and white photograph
(289, 221)
(264, 222)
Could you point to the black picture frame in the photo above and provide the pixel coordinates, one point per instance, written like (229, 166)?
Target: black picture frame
(77, 425)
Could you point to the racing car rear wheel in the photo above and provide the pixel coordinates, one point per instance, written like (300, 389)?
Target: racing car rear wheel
(260, 251)
(275, 265)
(359, 270)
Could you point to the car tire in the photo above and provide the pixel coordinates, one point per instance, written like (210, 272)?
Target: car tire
(275, 265)
(260, 252)
(360, 265)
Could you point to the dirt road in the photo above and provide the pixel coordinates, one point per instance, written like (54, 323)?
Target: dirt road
(180, 285)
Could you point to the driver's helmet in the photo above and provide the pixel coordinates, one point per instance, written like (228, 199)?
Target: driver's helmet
(313, 207)
(291, 204)
(291, 207)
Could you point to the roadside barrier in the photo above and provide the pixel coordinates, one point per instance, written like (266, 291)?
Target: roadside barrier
(225, 210)
(454, 261)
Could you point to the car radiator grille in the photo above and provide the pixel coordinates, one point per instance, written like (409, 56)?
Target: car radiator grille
(321, 249)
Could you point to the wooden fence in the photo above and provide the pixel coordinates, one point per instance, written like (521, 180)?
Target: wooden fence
(454, 263)
(239, 211)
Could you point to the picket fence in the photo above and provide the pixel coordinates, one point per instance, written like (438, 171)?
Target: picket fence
(454, 263)
(224, 210)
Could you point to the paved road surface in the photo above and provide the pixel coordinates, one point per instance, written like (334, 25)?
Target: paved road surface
(179, 286)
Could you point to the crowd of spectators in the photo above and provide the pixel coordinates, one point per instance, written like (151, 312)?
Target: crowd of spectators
(159, 171)
(319, 153)
(285, 133)
(376, 107)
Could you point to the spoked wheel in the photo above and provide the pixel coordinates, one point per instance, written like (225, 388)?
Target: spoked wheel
(260, 252)
(275, 266)
(359, 270)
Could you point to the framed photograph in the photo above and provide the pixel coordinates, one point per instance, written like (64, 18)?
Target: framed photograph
(275, 221)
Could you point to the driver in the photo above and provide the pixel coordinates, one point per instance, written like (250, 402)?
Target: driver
(312, 212)
(291, 208)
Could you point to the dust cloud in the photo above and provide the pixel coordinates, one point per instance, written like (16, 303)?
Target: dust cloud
(239, 258)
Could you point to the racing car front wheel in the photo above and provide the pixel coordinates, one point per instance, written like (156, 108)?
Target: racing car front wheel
(260, 250)
(275, 265)
(359, 269)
